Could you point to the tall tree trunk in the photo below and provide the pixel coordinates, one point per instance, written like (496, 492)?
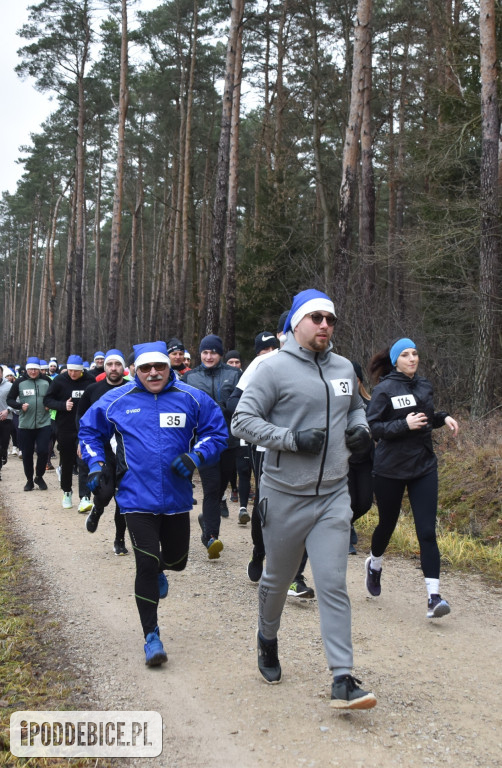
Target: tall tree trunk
(114, 273)
(483, 391)
(221, 197)
(362, 38)
(78, 334)
(182, 297)
(233, 189)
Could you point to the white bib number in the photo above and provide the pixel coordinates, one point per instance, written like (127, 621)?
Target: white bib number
(403, 401)
(77, 393)
(173, 419)
(28, 392)
(342, 386)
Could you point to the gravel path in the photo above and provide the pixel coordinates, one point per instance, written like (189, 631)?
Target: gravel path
(438, 683)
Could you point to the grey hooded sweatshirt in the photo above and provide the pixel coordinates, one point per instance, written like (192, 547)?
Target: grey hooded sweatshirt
(294, 390)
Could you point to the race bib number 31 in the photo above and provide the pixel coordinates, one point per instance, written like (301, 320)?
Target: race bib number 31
(403, 401)
(342, 386)
(173, 419)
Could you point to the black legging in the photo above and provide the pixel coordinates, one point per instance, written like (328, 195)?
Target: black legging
(256, 531)
(360, 479)
(160, 542)
(423, 496)
(215, 479)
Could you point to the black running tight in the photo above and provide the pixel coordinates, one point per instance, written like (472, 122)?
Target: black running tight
(423, 496)
(160, 542)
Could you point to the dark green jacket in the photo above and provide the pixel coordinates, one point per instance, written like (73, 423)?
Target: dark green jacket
(31, 391)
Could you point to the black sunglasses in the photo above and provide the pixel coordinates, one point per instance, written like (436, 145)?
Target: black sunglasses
(317, 318)
(147, 367)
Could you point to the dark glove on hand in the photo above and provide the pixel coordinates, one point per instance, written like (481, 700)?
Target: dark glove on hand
(94, 476)
(185, 464)
(310, 440)
(358, 440)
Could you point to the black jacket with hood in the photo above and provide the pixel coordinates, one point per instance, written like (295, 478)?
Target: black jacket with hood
(403, 453)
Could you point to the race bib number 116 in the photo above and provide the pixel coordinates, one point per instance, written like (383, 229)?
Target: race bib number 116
(173, 419)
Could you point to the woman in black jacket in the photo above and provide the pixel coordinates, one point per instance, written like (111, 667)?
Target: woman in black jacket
(401, 417)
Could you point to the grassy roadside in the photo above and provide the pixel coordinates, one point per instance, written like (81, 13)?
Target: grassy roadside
(32, 678)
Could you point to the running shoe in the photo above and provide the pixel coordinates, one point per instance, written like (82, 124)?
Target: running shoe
(85, 504)
(243, 516)
(163, 585)
(224, 508)
(29, 485)
(154, 650)
(92, 521)
(41, 483)
(372, 579)
(234, 496)
(119, 547)
(299, 589)
(214, 547)
(268, 660)
(346, 694)
(67, 500)
(255, 569)
(437, 607)
(50, 466)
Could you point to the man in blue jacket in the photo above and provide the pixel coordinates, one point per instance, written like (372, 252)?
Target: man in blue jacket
(164, 430)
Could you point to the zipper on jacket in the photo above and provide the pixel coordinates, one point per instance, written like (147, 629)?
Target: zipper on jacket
(325, 448)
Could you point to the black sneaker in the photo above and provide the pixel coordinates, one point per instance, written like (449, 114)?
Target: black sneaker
(29, 485)
(437, 607)
(200, 519)
(41, 483)
(92, 520)
(255, 569)
(119, 547)
(268, 660)
(234, 496)
(299, 589)
(372, 579)
(346, 694)
(224, 508)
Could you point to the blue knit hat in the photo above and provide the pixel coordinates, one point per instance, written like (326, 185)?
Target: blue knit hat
(151, 352)
(115, 354)
(98, 354)
(33, 362)
(305, 302)
(75, 363)
(399, 346)
(211, 343)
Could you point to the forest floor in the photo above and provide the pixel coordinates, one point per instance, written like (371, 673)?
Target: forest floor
(438, 683)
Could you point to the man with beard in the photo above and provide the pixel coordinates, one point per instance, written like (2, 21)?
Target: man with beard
(303, 406)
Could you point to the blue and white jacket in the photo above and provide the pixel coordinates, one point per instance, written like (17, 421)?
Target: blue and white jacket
(151, 431)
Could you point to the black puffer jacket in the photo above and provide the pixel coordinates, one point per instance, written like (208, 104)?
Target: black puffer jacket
(401, 452)
(218, 382)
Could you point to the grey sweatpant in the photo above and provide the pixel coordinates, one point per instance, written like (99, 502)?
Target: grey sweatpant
(322, 525)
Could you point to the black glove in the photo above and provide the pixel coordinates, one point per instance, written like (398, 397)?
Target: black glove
(310, 440)
(94, 476)
(358, 440)
(185, 464)
(105, 491)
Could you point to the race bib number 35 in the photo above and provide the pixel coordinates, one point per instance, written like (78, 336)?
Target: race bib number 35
(173, 419)
(403, 401)
(342, 386)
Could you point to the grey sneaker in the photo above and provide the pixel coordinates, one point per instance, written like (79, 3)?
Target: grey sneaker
(346, 694)
(243, 516)
(437, 607)
(268, 660)
(372, 579)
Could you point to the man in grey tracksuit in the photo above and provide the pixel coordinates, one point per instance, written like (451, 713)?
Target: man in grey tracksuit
(303, 406)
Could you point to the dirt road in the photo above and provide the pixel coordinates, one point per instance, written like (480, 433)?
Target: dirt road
(438, 683)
